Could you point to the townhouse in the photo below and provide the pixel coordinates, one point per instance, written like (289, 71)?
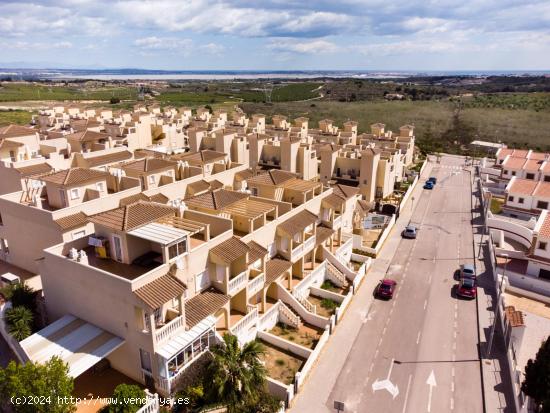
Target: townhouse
(526, 198)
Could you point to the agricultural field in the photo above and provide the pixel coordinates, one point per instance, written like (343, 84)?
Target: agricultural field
(15, 92)
(20, 117)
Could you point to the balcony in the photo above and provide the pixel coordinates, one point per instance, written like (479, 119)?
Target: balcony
(167, 331)
(237, 283)
(242, 326)
(337, 222)
(303, 247)
(256, 282)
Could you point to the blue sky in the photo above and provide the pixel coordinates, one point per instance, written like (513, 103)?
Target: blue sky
(277, 34)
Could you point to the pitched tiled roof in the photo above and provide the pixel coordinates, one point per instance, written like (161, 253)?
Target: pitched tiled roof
(298, 222)
(539, 156)
(345, 191)
(515, 318)
(87, 136)
(244, 175)
(200, 158)
(256, 252)
(132, 216)
(35, 170)
(216, 200)
(272, 177)
(542, 190)
(532, 165)
(204, 304)
(160, 291)
(274, 268)
(522, 186)
(72, 221)
(514, 163)
(109, 158)
(14, 131)
(149, 165)
(160, 198)
(230, 250)
(6, 143)
(544, 230)
(74, 176)
(333, 200)
(322, 234)
(199, 186)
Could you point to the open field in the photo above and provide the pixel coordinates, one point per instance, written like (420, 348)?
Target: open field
(13, 92)
(20, 117)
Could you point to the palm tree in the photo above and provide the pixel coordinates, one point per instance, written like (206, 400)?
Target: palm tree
(236, 374)
(19, 320)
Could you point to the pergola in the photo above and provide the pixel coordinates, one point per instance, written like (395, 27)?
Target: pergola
(252, 211)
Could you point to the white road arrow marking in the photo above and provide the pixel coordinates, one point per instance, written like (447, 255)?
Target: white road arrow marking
(386, 384)
(432, 383)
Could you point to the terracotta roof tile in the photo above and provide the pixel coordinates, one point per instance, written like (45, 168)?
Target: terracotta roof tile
(345, 191)
(545, 227)
(35, 170)
(523, 186)
(322, 234)
(109, 158)
(160, 291)
(272, 177)
(230, 250)
(200, 158)
(333, 200)
(256, 252)
(15, 131)
(514, 317)
(274, 268)
(6, 143)
(87, 136)
(298, 222)
(542, 190)
(244, 175)
(539, 156)
(532, 165)
(199, 186)
(72, 221)
(216, 200)
(204, 304)
(74, 176)
(132, 216)
(159, 198)
(149, 165)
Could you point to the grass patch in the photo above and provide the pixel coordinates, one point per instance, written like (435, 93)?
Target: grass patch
(328, 304)
(329, 286)
(13, 92)
(20, 117)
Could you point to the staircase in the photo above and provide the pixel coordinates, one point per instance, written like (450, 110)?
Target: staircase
(335, 275)
(307, 305)
(291, 317)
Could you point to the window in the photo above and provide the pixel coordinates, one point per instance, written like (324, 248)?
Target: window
(513, 173)
(99, 186)
(547, 178)
(74, 193)
(530, 176)
(542, 205)
(510, 199)
(542, 246)
(145, 358)
(1, 222)
(520, 200)
(151, 179)
(178, 248)
(79, 234)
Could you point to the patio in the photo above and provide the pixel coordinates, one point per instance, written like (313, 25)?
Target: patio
(281, 365)
(306, 335)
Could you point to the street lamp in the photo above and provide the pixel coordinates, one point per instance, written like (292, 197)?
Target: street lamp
(498, 305)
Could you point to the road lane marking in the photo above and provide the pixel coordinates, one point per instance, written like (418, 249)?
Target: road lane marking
(452, 403)
(418, 338)
(432, 383)
(453, 372)
(425, 304)
(384, 330)
(407, 393)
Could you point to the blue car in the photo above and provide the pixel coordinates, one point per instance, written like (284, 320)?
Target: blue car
(432, 179)
(428, 185)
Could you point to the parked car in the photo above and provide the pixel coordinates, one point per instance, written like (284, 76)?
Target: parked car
(428, 185)
(409, 232)
(432, 179)
(468, 271)
(467, 288)
(386, 288)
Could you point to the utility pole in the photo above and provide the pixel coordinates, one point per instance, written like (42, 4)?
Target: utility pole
(497, 308)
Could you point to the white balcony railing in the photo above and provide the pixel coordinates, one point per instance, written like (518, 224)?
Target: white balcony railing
(311, 278)
(266, 317)
(236, 284)
(244, 323)
(303, 247)
(256, 284)
(337, 222)
(168, 330)
(152, 405)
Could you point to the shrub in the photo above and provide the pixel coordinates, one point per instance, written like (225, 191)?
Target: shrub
(114, 100)
(19, 322)
(328, 304)
(127, 398)
(280, 362)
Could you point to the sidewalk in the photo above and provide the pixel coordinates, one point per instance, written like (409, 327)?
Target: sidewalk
(312, 398)
(497, 386)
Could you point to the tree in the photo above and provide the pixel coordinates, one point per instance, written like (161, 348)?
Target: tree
(537, 378)
(23, 295)
(114, 100)
(129, 398)
(19, 321)
(236, 374)
(49, 382)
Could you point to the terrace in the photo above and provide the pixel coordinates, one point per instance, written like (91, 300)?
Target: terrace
(282, 365)
(306, 335)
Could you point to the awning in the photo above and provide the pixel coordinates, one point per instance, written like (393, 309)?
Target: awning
(182, 340)
(159, 233)
(76, 342)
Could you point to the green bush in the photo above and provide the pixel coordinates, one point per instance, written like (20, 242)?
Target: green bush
(19, 321)
(127, 398)
(328, 304)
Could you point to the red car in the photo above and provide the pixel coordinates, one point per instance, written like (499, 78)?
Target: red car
(386, 288)
(467, 288)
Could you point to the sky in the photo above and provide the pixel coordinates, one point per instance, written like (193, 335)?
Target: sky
(277, 34)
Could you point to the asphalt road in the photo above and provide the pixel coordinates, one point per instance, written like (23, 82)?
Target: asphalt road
(419, 351)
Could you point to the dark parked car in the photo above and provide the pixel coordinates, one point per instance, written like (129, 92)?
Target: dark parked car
(428, 185)
(467, 288)
(386, 288)
(432, 179)
(409, 232)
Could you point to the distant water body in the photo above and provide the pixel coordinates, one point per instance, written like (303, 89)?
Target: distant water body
(139, 74)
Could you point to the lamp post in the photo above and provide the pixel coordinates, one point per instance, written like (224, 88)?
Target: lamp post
(497, 308)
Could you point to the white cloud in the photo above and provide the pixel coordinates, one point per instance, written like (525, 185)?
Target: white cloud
(164, 43)
(307, 47)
